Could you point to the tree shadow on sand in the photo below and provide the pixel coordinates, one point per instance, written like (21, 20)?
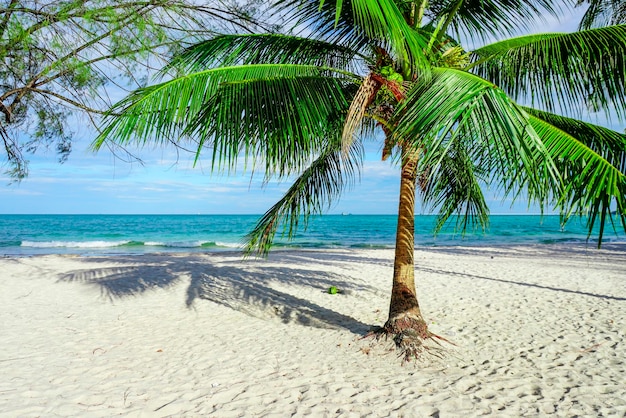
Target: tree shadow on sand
(226, 280)
(518, 283)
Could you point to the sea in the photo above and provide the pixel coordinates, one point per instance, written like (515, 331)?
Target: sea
(94, 235)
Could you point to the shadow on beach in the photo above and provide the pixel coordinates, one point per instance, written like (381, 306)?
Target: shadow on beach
(273, 289)
(226, 279)
(613, 251)
(519, 283)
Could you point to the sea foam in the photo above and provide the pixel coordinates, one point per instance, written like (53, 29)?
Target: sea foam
(74, 244)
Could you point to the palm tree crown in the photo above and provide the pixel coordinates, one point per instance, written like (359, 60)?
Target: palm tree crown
(301, 106)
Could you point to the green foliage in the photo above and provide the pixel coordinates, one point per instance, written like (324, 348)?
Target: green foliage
(473, 133)
(379, 20)
(281, 104)
(603, 13)
(60, 56)
(592, 160)
(267, 48)
(561, 70)
(484, 19)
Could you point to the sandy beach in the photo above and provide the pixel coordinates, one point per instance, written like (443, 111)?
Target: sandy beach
(537, 331)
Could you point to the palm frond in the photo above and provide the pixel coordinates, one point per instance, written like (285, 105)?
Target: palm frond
(504, 46)
(228, 50)
(603, 13)
(311, 193)
(280, 123)
(592, 162)
(234, 109)
(605, 142)
(308, 17)
(454, 187)
(364, 96)
(560, 70)
(363, 21)
(482, 19)
(458, 106)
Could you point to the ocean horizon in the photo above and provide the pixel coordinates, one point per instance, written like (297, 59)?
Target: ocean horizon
(90, 235)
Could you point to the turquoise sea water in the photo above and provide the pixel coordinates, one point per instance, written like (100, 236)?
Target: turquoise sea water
(137, 234)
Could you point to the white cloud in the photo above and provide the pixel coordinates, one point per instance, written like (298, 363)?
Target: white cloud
(7, 191)
(380, 169)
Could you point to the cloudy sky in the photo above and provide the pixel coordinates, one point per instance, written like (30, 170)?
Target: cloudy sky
(166, 183)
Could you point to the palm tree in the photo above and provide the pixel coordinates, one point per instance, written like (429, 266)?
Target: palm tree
(301, 106)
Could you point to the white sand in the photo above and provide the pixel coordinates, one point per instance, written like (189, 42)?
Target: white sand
(539, 331)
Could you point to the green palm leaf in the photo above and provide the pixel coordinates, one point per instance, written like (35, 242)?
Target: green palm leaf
(378, 22)
(458, 104)
(457, 110)
(454, 187)
(187, 105)
(560, 70)
(607, 143)
(480, 19)
(228, 50)
(592, 162)
(281, 122)
(603, 13)
(311, 193)
(319, 23)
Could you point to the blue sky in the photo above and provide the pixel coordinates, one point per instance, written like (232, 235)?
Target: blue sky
(168, 184)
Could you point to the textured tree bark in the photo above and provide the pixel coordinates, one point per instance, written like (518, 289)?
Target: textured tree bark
(404, 311)
(405, 323)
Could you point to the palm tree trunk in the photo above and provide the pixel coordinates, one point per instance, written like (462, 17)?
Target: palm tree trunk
(405, 323)
(404, 311)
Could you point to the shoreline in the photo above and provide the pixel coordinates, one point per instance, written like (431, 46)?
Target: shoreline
(566, 246)
(538, 331)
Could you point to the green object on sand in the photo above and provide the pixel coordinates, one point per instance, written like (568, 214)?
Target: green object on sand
(333, 290)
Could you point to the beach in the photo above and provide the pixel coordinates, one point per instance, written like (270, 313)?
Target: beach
(537, 330)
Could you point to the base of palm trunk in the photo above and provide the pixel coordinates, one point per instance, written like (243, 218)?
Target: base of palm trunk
(411, 336)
